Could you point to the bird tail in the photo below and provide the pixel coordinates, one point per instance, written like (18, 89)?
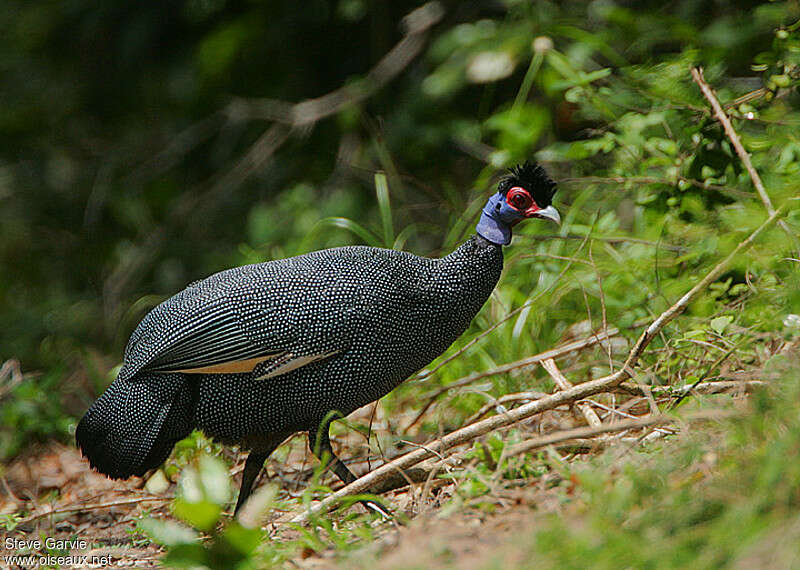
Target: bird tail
(134, 425)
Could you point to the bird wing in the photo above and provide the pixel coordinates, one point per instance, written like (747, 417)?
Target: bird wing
(204, 330)
(171, 339)
(195, 331)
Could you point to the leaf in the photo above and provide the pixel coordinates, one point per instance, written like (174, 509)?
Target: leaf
(215, 480)
(345, 223)
(581, 78)
(244, 540)
(189, 487)
(719, 324)
(202, 492)
(403, 236)
(167, 533)
(202, 515)
(385, 207)
(187, 556)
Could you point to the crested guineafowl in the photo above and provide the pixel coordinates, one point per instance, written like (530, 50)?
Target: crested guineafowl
(253, 354)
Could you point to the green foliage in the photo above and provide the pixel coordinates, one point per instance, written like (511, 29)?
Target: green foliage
(203, 493)
(204, 537)
(30, 412)
(715, 499)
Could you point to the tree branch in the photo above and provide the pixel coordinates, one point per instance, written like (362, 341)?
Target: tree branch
(287, 118)
(557, 352)
(722, 117)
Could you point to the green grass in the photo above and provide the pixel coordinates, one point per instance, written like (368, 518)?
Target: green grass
(721, 496)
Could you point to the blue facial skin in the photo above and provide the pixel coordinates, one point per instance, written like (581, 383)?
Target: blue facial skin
(495, 223)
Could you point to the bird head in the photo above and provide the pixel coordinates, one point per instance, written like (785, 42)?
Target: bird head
(525, 192)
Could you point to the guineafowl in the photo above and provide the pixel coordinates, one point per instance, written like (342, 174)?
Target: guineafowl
(254, 354)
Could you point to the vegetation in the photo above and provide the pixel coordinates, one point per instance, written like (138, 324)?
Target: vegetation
(145, 146)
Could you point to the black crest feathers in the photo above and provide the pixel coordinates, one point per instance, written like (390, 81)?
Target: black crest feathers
(532, 178)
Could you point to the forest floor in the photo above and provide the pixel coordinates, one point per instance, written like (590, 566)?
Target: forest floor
(104, 513)
(477, 515)
(442, 529)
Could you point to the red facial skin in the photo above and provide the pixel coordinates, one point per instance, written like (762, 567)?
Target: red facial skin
(519, 199)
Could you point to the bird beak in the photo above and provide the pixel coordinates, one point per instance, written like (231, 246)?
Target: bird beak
(548, 213)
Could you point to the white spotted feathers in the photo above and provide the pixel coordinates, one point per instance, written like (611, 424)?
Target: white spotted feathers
(262, 350)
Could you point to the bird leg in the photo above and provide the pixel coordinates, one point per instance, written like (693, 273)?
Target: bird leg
(252, 467)
(320, 443)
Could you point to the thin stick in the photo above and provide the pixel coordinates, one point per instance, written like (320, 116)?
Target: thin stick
(504, 399)
(612, 239)
(92, 507)
(719, 113)
(587, 432)
(10, 377)
(722, 117)
(557, 352)
(680, 306)
(579, 392)
(705, 388)
(652, 180)
(563, 384)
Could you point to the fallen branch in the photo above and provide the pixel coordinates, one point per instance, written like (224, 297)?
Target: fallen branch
(563, 384)
(91, 507)
(557, 352)
(502, 400)
(578, 392)
(721, 387)
(588, 432)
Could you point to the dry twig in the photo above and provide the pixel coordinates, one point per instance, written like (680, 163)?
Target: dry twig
(557, 352)
(10, 377)
(92, 507)
(563, 384)
(588, 432)
(496, 403)
(722, 117)
(747, 386)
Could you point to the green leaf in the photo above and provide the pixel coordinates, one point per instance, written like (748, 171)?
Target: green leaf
(403, 236)
(202, 515)
(581, 78)
(244, 540)
(167, 533)
(187, 556)
(189, 486)
(719, 324)
(215, 480)
(345, 223)
(385, 207)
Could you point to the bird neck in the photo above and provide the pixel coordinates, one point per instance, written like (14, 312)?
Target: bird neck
(469, 275)
(470, 261)
(496, 221)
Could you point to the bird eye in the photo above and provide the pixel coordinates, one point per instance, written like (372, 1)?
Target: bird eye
(519, 198)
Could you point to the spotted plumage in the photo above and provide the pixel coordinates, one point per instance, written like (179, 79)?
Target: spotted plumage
(255, 353)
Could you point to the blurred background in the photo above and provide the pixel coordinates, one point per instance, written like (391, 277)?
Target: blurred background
(144, 145)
